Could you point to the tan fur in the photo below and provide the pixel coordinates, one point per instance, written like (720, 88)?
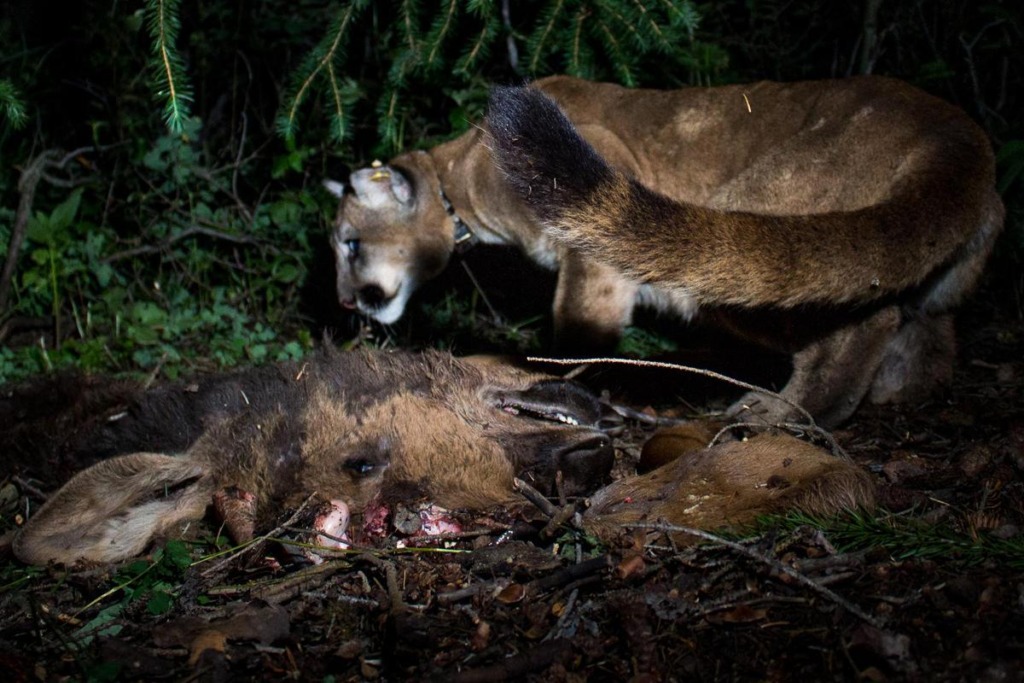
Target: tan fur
(840, 221)
(731, 484)
(844, 196)
(454, 441)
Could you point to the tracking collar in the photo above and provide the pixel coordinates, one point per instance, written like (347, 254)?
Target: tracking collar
(465, 239)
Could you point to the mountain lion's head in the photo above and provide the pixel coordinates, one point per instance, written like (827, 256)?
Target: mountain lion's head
(391, 234)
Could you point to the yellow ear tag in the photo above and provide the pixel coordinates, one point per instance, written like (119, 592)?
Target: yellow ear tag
(381, 173)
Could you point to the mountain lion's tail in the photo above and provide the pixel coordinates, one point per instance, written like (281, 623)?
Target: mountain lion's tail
(924, 227)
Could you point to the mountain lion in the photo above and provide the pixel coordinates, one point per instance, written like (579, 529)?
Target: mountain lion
(839, 221)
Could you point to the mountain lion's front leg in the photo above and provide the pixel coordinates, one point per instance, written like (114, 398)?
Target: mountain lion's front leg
(593, 304)
(830, 376)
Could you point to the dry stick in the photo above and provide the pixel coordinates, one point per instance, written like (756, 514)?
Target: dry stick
(495, 316)
(771, 562)
(391, 578)
(186, 233)
(676, 366)
(794, 427)
(516, 667)
(27, 184)
(259, 541)
(535, 497)
(811, 425)
(642, 417)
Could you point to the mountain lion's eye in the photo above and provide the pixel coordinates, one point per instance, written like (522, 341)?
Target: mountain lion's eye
(353, 249)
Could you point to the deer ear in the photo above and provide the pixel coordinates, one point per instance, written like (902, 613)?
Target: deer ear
(114, 509)
(381, 185)
(334, 187)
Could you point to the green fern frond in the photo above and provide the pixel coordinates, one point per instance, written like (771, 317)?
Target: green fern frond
(168, 70)
(12, 106)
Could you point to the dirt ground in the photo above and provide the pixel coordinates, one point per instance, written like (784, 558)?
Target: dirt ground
(932, 589)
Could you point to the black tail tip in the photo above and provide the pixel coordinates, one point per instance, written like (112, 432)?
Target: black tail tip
(538, 148)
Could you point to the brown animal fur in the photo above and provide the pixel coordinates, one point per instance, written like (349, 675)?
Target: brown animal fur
(458, 430)
(830, 217)
(840, 221)
(731, 484)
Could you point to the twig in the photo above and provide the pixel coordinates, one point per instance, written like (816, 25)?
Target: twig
(677, 367)
(260, 540)
(566, 612)
(644, 418)
(391, 578)
(25, 485)
(794, 427)
(495, 316)
(518, 666)
(535, 497)
(27, 184)
(571, 573)
(771, 562)
(188, 232)
(471, 591)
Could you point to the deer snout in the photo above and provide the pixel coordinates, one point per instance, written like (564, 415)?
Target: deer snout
(585, 463)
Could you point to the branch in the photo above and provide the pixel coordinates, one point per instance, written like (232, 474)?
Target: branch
(184, 234)
(27, 184)
(775, 564)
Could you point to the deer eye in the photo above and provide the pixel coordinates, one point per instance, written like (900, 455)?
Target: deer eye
(353, 249)
(361, 467)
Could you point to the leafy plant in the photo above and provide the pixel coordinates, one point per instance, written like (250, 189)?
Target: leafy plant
(907, 537)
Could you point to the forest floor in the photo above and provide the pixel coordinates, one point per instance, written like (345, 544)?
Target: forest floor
(931, 589)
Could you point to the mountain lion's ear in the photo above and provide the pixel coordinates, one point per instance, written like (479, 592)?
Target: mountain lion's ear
(334, 187)
(114, 509)
(381, 185)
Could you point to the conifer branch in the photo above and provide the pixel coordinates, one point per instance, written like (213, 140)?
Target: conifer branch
(619, 57)
(626, 24)
(479, 48)
(538, 46)
(326, 56)
(167, 67)
(441, 32)
(576, 51)
(409, 11)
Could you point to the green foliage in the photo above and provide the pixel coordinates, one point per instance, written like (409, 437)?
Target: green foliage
(217, 289)
(637, 342)
(323, 68)
(908, 537)
(189, 250)
(419, 43)
(166, 66)
(12, 106)
(152, 580)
